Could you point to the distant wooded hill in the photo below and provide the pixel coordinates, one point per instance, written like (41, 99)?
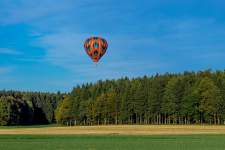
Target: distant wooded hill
(185, 98)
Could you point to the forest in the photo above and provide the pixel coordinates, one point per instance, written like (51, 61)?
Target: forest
(169, 98)
(28, 108)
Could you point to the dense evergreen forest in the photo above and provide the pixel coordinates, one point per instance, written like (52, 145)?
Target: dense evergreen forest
(27, 108)
(185, 98)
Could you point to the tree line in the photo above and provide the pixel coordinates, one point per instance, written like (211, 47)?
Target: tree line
(170, 98)
(28, 108)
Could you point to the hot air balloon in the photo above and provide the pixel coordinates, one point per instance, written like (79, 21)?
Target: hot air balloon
(95, 47)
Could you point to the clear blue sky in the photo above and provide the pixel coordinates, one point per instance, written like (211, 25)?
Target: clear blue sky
(41, 41)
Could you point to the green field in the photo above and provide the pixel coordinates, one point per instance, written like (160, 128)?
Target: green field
(112, 142)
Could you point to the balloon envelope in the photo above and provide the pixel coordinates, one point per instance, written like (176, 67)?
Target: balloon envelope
(95, 47)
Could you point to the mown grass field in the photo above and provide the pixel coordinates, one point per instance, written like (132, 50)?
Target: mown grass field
(122, 137)
(112, 142)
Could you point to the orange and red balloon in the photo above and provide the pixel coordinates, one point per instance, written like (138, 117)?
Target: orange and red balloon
(95, 47)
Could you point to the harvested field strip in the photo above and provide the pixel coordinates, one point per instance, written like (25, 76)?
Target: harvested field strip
(120, 129)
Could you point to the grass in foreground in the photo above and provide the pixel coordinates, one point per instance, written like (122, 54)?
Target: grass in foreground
(112, 142)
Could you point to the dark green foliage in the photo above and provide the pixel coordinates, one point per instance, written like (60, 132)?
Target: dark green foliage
(23, 108)
(188, 98)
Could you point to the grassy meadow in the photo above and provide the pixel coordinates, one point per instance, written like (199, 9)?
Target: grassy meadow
(112, 142)
(120, 137)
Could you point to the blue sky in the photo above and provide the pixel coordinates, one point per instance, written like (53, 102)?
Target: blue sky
(41, 42)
